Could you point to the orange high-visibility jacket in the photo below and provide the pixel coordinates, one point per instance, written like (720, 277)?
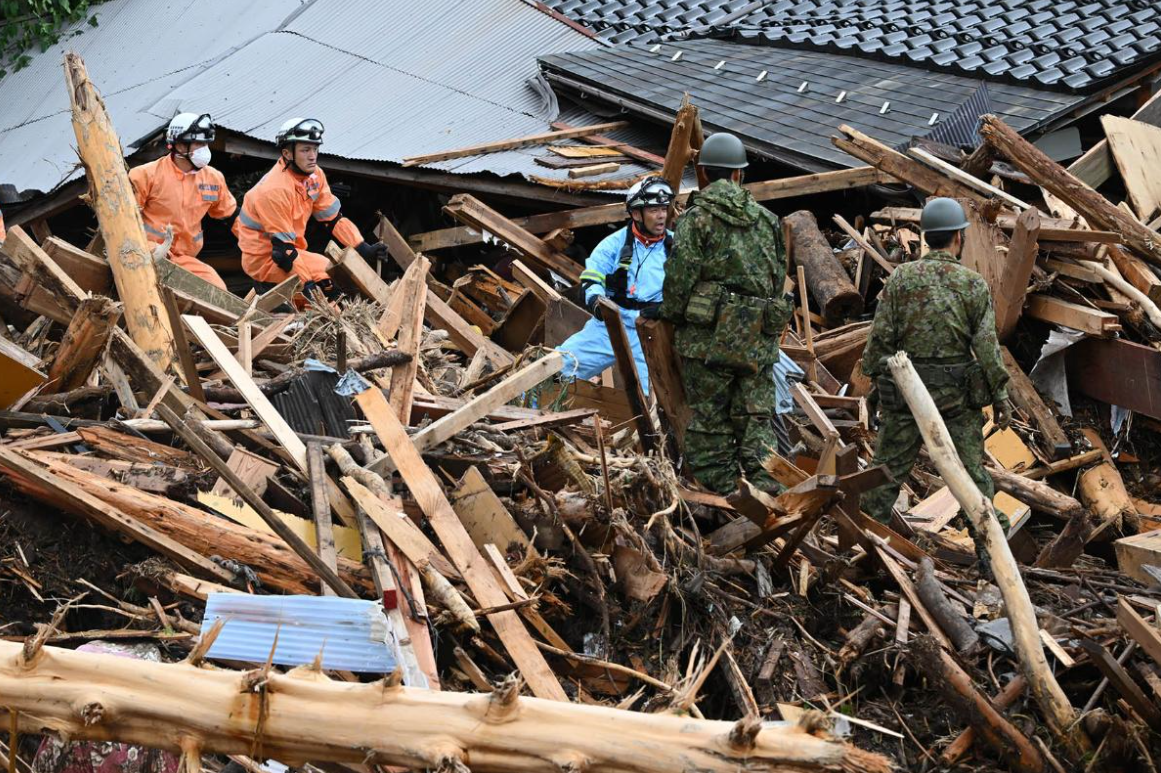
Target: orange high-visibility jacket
(3, 233)
(169, 196)
(278, 207)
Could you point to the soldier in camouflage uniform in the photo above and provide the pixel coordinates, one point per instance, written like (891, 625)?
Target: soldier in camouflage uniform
(723, 290)
(940, 313)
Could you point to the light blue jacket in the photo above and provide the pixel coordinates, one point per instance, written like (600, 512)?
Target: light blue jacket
(646, 271)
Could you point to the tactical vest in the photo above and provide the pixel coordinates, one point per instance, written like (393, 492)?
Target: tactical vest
(617, 282)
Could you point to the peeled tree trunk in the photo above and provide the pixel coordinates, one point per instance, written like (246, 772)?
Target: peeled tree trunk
(1060, 714)
(303, 716)
(111, 196)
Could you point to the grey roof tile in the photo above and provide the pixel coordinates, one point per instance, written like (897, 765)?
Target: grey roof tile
(841, 26)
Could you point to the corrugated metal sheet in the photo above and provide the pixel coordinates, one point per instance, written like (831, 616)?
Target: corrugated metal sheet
(772, 115)
(390, 79)
(141, 50)
(352, 634)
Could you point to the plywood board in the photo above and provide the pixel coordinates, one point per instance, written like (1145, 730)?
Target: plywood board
(484, 515)
(1133, 552)
(1136, 149)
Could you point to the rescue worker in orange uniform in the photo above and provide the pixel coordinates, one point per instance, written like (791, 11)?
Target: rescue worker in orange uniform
(180, 189)
(271, 225)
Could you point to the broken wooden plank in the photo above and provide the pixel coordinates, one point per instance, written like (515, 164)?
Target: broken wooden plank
(971, 181)
(483, 514)
(1027, 399)
(410, 336)
(478, 407)
(1049, 308)
(1147, 636)
(429, 494)
(627, 367)
(593, 170)
(321, 509)
(665, 379)
(517, 142)
(1015, 272)
(1096, 166)
(624, 148)
(361, 274)
(1136, 149)
(1124, 684)
(468, 209)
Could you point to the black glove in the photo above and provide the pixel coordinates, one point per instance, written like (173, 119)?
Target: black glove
(283, 254)
(591, 304)
(372, 252)
(651, 310)
(325, 285)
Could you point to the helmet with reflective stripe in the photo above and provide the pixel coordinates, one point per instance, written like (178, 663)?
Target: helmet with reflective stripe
(942, 214)
(650, 192)
(300, 130)
(190, 127)
(723, 150)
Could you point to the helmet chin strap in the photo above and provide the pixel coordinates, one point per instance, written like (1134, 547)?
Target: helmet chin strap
(292, 164)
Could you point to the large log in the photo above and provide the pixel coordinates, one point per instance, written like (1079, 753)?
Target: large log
(1036, 494)
(111, 196)
(1045, 172)
(303, 716)
(1059, 713)
(829, 285)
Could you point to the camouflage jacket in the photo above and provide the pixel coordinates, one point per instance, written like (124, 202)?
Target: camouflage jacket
(937, 311)
(727, 243)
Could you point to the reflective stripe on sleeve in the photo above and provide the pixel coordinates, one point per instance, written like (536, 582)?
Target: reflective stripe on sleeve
(329, 212)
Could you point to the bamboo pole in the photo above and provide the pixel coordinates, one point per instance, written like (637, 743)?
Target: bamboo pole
(111, 197)
(1061, 715)
(304, 716)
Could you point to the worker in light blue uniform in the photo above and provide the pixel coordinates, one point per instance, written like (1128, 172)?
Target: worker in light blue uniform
(627, 267)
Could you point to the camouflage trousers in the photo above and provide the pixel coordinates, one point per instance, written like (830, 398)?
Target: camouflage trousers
(898, 446)
(731, 428)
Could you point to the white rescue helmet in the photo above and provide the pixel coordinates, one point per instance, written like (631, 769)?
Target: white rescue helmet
(299, 130)
(190, 127)
(650, 192)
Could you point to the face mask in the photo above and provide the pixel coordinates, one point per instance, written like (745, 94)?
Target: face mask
(200, 157)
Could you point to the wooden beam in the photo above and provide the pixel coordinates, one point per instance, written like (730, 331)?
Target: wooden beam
(1147, 636)
(677, 155)
(356, 270)
(604, 214)
(28, 255)
(321, 509)
(1119, 678)
(111, 196)
(480, 406)
(665, 379)
(1049, 308)
(897, 165)
(429, 494)
(89, 271)
(1095, 209)
(1136, 272)
(961, 176)
(510, 144)
(470, 210)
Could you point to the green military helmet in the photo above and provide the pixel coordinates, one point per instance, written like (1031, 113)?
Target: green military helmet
(942, 214)
(724, 151)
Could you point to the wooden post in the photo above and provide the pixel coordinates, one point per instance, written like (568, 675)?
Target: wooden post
(627, 367)
(678, 153)
(409, 338)
(1015, 272)
(1060, 714)
(111, 196)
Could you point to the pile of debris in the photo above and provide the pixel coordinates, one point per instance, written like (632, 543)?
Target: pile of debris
(406, 456)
